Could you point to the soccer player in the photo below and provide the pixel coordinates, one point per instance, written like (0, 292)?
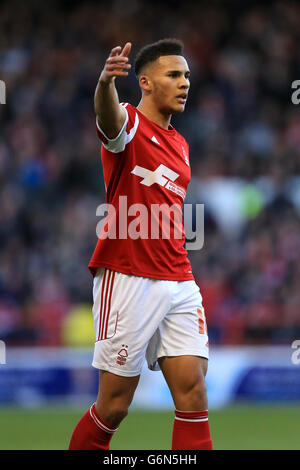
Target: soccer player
(146, 302)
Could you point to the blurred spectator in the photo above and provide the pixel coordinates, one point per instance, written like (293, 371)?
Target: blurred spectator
(78, 328)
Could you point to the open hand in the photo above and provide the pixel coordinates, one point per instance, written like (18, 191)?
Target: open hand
(116, 64)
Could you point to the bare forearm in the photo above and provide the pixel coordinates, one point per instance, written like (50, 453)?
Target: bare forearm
(107, 107)
(110, 114)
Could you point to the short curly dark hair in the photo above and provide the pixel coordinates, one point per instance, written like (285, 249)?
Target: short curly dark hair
(151, 52)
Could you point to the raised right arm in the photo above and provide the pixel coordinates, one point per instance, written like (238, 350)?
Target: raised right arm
(110, 114)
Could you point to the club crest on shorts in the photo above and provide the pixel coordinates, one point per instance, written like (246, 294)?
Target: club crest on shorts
(122, 355)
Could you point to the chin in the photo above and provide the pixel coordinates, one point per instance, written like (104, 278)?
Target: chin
(179, 109)
(174, 109)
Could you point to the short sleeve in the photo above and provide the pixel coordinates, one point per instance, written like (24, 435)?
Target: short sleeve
(125, 135)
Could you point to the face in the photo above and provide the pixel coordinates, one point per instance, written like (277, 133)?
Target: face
(167, 81)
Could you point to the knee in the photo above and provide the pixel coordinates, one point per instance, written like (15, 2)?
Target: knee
(114, 412)
(192, 396)
(196, 390)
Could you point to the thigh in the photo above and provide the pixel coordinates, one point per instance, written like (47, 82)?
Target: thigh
(183, 371)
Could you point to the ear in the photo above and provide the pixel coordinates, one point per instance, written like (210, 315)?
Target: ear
(145, 83)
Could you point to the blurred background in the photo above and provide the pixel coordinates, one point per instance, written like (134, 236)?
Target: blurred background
(244, 137)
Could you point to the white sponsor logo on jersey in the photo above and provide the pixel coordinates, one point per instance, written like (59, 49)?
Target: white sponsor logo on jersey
(162, 176)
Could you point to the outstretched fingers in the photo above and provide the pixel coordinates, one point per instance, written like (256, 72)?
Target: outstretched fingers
(117, 61)
(116, 64)
(126, 50)
(115, 51)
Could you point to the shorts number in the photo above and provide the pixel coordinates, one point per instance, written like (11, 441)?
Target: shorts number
(202, 322)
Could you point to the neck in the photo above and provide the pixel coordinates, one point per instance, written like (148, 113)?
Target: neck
(151, 112)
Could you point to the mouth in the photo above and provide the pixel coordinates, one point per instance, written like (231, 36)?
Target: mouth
(182, 98)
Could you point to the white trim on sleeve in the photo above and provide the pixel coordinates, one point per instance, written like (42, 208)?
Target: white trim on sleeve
(119, 143)
(116, 144)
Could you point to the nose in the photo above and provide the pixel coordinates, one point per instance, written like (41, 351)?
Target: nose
(184, 83)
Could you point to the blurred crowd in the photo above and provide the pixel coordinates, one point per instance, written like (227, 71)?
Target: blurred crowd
(244, 137)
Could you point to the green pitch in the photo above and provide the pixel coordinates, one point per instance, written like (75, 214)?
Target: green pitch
(236, 427)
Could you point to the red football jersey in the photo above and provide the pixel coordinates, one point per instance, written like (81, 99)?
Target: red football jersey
(146, 172)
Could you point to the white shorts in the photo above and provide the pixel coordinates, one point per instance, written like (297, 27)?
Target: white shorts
(137, 318)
